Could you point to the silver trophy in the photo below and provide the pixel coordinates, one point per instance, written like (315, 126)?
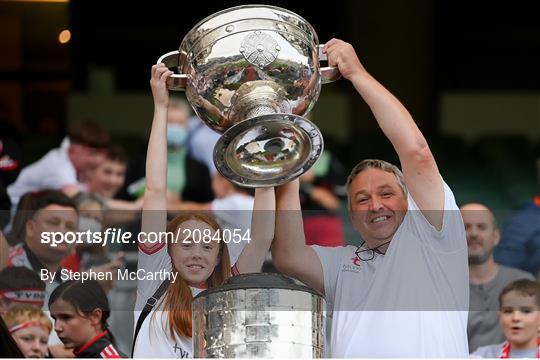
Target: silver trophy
(259, 316)
(250, 73)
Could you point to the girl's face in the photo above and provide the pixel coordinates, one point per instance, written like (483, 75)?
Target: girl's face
(197, 253)
(74, 328)
(32, 341)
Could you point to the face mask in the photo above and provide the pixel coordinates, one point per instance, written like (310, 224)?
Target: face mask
(176, 135)
(88, 223)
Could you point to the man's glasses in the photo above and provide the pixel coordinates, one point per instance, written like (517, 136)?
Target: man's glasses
(369, 254)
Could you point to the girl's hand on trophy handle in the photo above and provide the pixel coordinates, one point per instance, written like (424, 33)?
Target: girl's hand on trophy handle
(342, 55)
(158, 83)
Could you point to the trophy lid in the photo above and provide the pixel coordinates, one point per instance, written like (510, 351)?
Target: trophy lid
(259, 281)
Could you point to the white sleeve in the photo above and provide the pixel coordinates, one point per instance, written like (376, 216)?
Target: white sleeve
(489, 351)
(452, 235)
(151, 262)
(53, 172)
(331, 259)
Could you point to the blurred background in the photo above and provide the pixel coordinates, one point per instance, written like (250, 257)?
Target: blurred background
(467, 71)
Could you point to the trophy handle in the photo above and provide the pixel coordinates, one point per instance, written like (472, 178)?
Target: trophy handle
(177, 82)
(328, 73)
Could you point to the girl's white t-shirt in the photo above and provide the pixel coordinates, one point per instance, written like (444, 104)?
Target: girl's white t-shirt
(154, 339)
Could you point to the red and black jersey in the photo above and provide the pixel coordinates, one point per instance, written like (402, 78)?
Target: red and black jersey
(100, 346)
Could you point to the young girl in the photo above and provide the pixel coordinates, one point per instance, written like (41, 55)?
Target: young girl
(80, 311)
(30, 328)
(198, 264)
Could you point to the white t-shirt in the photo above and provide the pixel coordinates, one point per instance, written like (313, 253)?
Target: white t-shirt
(410, 302)
(495, 351)
(234, 214)
(153, 340)
(52, 171)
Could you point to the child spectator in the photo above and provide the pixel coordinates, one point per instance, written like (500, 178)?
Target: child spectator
(80, 311)
(519, 316)
(30, 328)
(19, 285)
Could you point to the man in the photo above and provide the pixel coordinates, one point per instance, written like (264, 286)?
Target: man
(45, 211)
(520, 243)
(487, 278)
(64, 168)
(414, 257)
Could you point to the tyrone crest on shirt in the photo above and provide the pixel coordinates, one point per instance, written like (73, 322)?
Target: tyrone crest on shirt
(353, 267)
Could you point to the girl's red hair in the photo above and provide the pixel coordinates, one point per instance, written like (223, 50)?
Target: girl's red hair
(177, 299)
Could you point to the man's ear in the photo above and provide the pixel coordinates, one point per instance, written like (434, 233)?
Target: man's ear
(30, 228)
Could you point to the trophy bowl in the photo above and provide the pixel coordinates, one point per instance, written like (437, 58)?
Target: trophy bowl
(251, 73)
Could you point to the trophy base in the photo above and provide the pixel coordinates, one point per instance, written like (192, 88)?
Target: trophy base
(268, 150)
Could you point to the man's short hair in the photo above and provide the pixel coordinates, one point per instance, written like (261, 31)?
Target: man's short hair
(31, 203)
(523, 287)
(117, 154)
(88, 133)
(377, 164)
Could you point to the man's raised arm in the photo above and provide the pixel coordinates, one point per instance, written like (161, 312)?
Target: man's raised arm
(418, 165)
(290, 254)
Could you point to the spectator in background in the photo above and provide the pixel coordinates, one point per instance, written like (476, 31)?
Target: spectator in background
(85, 256)
(80, 311)
(19, 285)
(520, 243)
(10, 160)
(519, 316)
(109, 175)
(320, 191)
(30, 328)
(9, 170)
(66, 167)
(106, 180)
(44, 211)
(195, 187)
(486, 277)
